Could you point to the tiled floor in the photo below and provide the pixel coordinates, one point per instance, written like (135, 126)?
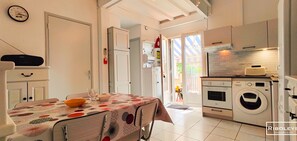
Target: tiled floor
(189, 125)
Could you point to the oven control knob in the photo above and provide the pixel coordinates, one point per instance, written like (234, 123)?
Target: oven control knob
(249, 84)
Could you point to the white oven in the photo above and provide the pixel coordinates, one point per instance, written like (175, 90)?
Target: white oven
(217, 94)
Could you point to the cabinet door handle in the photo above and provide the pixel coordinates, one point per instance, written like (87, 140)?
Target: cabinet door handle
(248, 47)
(287, 89)
(293, 116)
(24, 99)
(216, 110)
(30, 98)
(214, 43)
(27, 75)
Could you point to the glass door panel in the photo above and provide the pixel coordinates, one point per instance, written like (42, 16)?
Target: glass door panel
(192, 70)
(177, 70)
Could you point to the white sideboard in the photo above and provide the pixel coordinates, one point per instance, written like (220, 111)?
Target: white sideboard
(27, 84)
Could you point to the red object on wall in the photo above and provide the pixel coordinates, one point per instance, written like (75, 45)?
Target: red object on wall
(105, 60)
(157, 43)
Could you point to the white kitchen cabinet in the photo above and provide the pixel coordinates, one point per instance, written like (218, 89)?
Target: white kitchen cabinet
(27, 84)
(120, 39)
(250, 36)
(218, 36)
(119, 60)
(272, 33)
(38, 90)
(17, 93)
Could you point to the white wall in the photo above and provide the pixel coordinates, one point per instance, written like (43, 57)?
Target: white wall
(105, 20)
(259, 10)
(135, 32)
(225, 13)
(30, 35)
(185, 28)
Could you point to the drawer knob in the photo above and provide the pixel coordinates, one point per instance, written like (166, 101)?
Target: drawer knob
(27, 75)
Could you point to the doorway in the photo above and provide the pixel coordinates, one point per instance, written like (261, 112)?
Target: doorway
(187, 69)
(68, 55)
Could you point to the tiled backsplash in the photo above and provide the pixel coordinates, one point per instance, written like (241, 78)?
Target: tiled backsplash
(225, 63)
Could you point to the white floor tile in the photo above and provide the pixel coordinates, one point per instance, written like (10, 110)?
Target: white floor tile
(253, 130)
(228, 133)
(248, 137)
(156, 131)
(176, 129)
(166, 136)
(217, 138)
(153, 139)
(186, 124)
(202, 126)
(183, 138)
(210, 121)
(229, 125)
(196, 134)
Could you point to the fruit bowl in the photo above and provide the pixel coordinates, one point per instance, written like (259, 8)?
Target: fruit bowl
(76, 102)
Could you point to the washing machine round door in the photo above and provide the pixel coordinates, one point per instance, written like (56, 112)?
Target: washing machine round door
(251, 101)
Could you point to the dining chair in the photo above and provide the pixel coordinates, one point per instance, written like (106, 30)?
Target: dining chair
(30, 103)
(144, 118)
(83, 95)
(86, 128)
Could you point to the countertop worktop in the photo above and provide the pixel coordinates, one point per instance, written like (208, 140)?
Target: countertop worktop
(273, 78)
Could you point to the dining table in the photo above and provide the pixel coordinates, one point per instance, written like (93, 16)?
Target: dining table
(35, 122)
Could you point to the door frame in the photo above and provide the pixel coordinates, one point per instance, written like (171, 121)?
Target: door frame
(47, 46)
(169, 62)
(203, 57)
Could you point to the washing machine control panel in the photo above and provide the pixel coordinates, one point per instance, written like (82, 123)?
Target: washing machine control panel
(249, 84)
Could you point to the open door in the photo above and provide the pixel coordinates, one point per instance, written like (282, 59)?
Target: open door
(165, 70)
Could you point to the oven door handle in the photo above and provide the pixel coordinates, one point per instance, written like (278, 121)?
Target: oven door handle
(251, 100)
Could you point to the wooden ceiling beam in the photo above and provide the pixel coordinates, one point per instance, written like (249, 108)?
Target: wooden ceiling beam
(195, 6)
(184, 11)
(151, 5)
(108, 3)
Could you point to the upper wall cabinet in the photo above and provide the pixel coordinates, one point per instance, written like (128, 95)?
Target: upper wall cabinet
(120, 39)
(251, 36)
(218, 36)
(272, 33)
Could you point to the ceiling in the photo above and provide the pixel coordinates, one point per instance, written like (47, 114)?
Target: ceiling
(133, 12)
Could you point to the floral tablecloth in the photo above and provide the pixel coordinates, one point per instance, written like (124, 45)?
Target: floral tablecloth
(35, 123)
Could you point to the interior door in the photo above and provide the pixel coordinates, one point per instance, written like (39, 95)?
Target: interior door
(122, 75)
(69, 56)
(165, 70)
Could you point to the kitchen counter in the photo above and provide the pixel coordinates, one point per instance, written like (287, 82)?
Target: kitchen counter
(272, 77)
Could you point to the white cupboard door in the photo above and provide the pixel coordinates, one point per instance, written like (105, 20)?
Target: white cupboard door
(122, 71)
(69, 49)
(17, 93)
(121, 39)
(251, 36)
(272, 33)
(37, 90)
(217, 36)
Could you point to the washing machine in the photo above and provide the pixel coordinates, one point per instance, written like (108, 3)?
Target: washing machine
(252, 101)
